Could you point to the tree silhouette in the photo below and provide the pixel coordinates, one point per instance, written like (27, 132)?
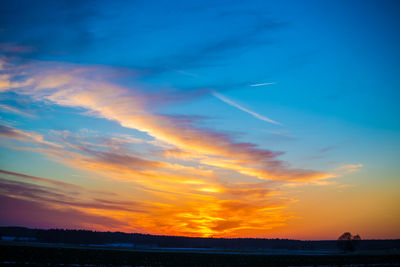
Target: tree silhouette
(347, 242)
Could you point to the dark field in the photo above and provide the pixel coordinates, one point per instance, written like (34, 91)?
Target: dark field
(52, 255)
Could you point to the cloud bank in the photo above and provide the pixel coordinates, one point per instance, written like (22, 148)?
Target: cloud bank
(188, 180)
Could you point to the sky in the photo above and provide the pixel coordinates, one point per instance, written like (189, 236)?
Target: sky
(270, 119)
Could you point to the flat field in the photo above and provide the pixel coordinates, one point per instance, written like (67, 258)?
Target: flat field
(60, 255)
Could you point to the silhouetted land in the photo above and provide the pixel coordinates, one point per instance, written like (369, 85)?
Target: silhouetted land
(153, 241)
(61, 256)
(56, 247)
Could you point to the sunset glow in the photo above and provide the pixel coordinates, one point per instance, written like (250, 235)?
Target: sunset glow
(201, 119)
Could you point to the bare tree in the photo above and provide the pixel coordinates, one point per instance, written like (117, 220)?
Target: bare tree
(347, 242)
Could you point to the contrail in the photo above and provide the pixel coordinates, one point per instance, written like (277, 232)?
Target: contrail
(254, 114)
(261, 84)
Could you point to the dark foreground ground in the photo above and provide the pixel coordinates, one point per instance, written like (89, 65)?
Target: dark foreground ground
(52, 255)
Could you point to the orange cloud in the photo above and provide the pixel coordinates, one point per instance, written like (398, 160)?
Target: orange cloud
(207, 216)
(80, 88)
(178, 182)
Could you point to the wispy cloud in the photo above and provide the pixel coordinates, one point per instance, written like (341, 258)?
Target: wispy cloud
(15, 110)
(236, 105)
(25, 136)
(350, 167)
(29, 212)
(261, 84)
(36, 178)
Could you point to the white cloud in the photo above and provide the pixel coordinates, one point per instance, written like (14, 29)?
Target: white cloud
(261, 84)
(254, 114)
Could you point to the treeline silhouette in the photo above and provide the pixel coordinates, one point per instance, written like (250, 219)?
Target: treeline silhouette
(88, 237)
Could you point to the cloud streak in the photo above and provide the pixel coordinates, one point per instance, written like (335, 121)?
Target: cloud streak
(350, 167)
(17, 111)
(236, 105)
(25, 136)
(36, 178)
(261, 84)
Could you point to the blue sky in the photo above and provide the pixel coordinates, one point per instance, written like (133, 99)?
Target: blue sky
(312, 86)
